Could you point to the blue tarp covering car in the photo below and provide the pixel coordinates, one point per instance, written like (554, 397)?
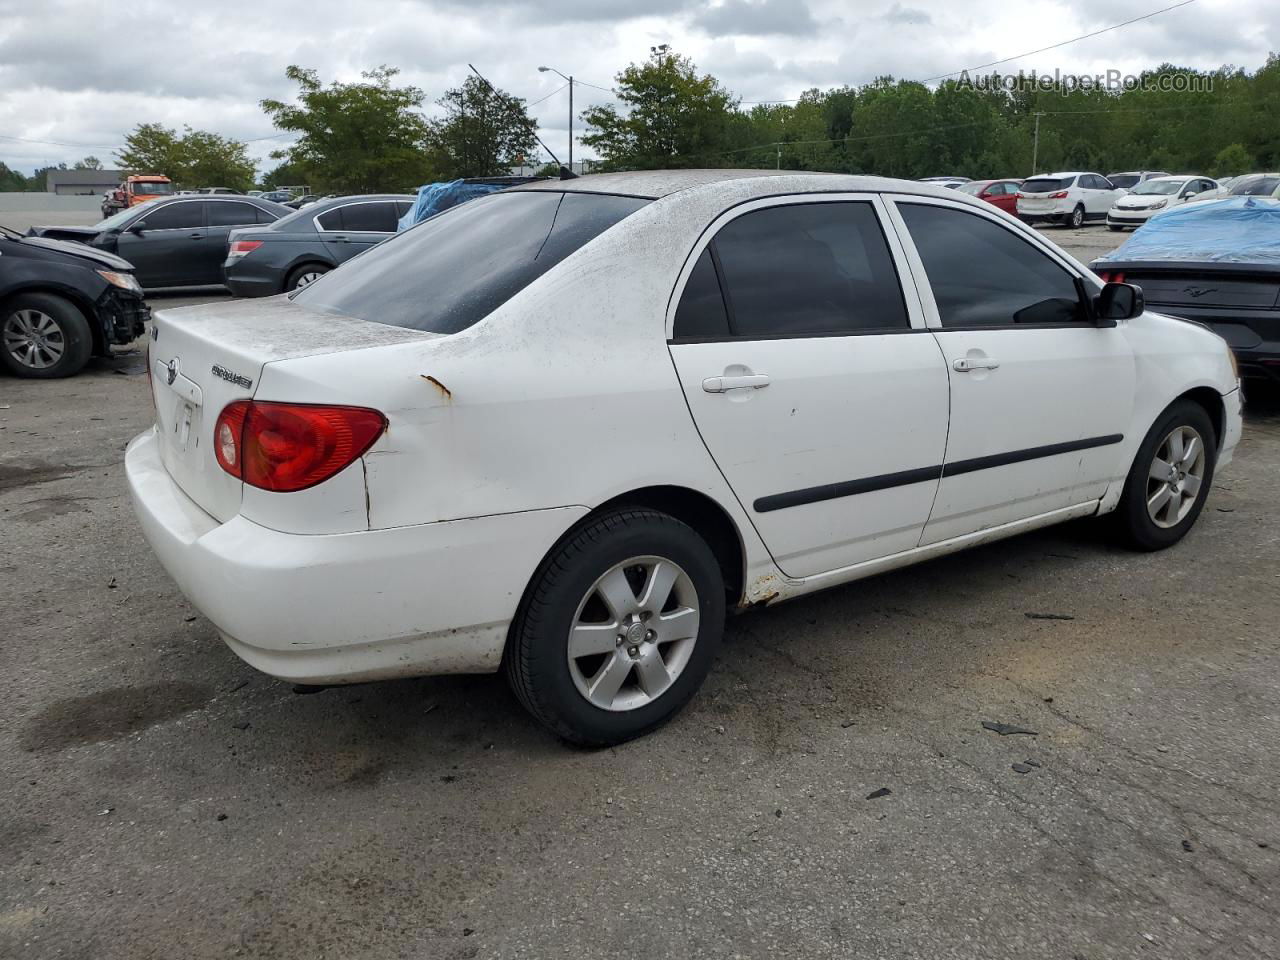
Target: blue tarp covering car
(434, 198)
(1235, 230)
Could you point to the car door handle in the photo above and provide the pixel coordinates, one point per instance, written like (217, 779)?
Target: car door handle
(195, 236)
(753, 381)
(969, 364)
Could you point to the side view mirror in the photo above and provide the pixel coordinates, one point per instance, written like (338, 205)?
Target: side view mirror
(1118, 301)
(137, 227)
(1187, 194)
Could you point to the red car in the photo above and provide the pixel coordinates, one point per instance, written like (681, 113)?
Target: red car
(1003, 193)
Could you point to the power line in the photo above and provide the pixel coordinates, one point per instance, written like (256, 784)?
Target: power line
(1063, 43)
(547, 97)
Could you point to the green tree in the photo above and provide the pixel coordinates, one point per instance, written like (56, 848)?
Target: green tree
(363, 137)
(88, 163)
(1231, 161)
(151, 149)
(11, 181)
(672, 117)
(485, 132)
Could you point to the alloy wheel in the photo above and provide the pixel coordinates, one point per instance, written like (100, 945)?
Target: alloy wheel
(34, 339)
(1175, 477)
(634, 633)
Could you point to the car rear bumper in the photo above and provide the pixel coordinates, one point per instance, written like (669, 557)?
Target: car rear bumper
(342, 608)
(241, 285)
(1043, 217)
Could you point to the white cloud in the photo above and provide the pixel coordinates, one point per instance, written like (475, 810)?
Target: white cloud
(63, 78)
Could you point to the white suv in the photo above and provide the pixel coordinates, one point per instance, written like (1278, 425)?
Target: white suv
(1066, 198)
(563, 429)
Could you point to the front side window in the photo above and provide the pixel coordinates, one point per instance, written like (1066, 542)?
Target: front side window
(984, 275)
(809, 269)
(183, 215)
(453, 270)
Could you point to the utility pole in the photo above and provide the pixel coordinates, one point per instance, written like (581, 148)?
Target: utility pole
(571, 123)
(779, 164)
(1035, 144)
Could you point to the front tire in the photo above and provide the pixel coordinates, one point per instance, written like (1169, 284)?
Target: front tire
(1169, 482)
(43, 336)
(618, 628)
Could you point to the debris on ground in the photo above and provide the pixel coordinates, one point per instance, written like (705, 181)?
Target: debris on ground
(1031, 763)
(1007, 729)
(1186, 845)
(1021, 768)
(846, 724)
(877, 794)
(1048, 616)
(242, 725)
(220, 817)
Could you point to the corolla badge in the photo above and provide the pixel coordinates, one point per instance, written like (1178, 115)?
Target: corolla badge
(1198, 292)
(231, 376)
(171, 371)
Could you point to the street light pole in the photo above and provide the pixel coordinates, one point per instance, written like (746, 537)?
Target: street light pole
(569, 80)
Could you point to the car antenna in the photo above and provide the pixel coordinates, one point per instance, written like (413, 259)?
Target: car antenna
(565, 172)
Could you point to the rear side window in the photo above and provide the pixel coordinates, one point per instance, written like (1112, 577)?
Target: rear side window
(810, 269)
(377, 217)
(185, 215)
(984, 275)
(453, 270)
(231, 213)
(330, 219)
(264, 216)
(701, 313)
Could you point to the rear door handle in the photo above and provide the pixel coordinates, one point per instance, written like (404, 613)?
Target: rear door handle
(753, 381)
(969, 364)
(195, 236)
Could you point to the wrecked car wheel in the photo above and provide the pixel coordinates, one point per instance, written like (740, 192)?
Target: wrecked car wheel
(43, 336)
(618, 628)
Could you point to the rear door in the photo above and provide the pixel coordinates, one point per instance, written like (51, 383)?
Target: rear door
(223, 216)
(353, 228)
(164, 244)
(812, 378)
(1040, 396)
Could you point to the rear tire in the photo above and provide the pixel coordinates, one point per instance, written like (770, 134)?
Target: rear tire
(1170, 479)
(618, 628)
(304, 275)
(1076, 221)
(44, 336)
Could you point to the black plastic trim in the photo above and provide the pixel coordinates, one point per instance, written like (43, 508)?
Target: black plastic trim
(849, 488)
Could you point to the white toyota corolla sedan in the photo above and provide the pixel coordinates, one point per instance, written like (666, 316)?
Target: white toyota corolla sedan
(563, 429)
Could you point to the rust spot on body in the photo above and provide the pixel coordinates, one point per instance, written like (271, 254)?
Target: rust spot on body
(448, 394)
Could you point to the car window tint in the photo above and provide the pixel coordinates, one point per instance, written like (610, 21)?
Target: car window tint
(231, 213)
(813, 268)
(403, 207)
(701, 312)
(370, 217)
(330, 219)
(175, 216)
(264, 216)
(453, 270)
(985, 275)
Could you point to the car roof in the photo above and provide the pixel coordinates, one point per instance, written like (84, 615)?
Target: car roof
(1063, 173)
(329, 202)
(655, 184)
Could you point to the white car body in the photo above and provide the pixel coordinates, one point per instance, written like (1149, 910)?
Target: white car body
(574, 394)
(1159, 194)
(1077, 198)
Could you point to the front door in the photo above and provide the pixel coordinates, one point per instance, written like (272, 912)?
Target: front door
(165, 243)
(1040, 395)
(812, 379)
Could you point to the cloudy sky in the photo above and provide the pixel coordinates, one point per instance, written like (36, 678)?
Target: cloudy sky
(76, 75)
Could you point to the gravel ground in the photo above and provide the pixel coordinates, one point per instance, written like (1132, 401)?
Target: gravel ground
(161, 799)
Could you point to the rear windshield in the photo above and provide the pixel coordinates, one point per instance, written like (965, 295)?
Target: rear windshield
(1046, 184)
(456, 268)
(1256, 187)
(1124, 181)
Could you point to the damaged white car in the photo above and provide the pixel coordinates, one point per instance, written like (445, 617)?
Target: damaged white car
(563, 429)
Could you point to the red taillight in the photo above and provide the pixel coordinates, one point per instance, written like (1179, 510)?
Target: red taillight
(1060, 195)
(1104, 276)
(291, 446)
(1118, 278)
(239, 248)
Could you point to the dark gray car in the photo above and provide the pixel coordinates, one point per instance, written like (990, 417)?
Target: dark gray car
(175, 242)
(293, 251)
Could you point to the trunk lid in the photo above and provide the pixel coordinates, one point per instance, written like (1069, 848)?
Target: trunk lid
(203, 358)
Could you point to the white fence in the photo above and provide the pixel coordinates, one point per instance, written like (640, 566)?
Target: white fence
(48, 202)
